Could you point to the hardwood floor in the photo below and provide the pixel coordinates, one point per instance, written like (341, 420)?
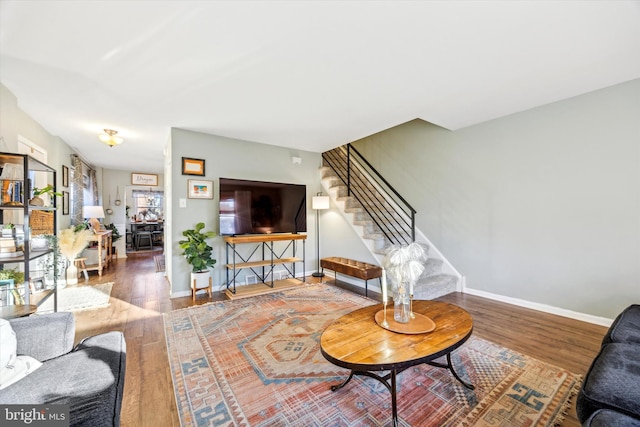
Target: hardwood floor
(140, 296)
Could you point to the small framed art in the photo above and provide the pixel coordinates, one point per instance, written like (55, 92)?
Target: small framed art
(65, 203)
(65, 176)
(192, 166)
(36, 285)
(199, 189)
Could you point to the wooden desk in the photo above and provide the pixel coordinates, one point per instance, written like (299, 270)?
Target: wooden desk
(104, 242)
(356, 342)
(146, 226)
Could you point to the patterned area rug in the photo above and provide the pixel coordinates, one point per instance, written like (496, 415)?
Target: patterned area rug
(73, 298)
(257, 362)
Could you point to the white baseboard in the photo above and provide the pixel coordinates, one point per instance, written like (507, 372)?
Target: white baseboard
(181, 294)
(221, 288)
(603, 321)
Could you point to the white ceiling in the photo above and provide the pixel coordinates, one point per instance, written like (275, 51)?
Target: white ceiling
(309, 74)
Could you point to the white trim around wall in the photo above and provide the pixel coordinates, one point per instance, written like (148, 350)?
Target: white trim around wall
(223, 287)
(603, 321)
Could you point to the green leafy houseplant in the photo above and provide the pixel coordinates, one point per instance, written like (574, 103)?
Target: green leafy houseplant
(115, 233)
(8, 230)
(17, 276)
(37, 192)
(115, 236)
(197, 251)
(54, 261)
(45, 190)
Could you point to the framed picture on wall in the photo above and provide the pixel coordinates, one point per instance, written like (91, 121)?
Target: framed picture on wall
(65, 176)
(144, 179)
(199, 189)
(192, 166)
(65, 203)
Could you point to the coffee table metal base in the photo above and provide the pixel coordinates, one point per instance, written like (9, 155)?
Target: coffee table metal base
(356, 342)
(391, 386)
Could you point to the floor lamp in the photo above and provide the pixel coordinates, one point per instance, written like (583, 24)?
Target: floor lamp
(318, 203)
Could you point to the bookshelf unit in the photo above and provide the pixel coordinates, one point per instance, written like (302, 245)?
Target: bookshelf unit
(18, 173)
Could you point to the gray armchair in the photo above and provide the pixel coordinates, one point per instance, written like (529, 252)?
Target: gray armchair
(89, 378)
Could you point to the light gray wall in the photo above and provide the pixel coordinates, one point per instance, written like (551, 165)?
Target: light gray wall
(543, 205)
(228, 158)
(15, 122)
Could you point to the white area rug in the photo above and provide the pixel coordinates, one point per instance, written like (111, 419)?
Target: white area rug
(73, 298)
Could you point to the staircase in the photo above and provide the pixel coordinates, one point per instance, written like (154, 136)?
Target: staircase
(381, 217)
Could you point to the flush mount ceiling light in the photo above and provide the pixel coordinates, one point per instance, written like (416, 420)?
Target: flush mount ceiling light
(109, 137)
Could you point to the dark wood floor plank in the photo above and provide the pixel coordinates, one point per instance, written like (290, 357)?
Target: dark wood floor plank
(140, 296)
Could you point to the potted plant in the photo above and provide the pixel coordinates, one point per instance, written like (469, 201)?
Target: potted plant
(37, 192)
(199, 255)
(115, 236)
(8, 230)
(12, 274)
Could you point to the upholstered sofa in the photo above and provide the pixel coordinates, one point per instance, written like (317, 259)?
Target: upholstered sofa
(610, 393)
(88, 377)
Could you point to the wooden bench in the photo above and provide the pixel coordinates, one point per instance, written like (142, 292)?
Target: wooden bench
(353, 268)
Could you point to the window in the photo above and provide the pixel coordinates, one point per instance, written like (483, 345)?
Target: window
(148, 204)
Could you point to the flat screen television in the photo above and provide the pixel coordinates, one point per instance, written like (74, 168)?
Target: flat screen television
(258, 207)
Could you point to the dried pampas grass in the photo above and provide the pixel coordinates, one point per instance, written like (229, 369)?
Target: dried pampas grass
(72, 242)
(405, 263)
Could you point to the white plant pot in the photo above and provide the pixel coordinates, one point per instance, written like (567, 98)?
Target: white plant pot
(200, 281)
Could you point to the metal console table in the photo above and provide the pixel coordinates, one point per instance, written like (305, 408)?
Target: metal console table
(270, 256)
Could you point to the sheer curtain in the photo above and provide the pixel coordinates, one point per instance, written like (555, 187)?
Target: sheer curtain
(84, 188)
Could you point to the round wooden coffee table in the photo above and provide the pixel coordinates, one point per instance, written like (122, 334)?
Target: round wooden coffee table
(356, 342)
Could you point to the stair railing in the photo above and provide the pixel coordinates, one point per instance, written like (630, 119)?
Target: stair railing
(393, 216)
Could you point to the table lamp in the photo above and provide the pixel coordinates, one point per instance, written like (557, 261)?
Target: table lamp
(93, 213)
(319, 202)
